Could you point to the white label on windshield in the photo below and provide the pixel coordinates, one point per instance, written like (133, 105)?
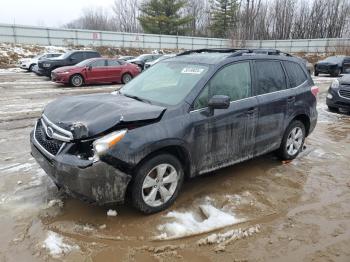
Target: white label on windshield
(192, 70)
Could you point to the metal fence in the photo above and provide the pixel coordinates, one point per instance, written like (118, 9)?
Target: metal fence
(19, 34)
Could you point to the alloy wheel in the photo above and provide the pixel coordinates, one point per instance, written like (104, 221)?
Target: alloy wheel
(295, 140)
(160, 185)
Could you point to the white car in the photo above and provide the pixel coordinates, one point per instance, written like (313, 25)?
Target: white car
(29, 63)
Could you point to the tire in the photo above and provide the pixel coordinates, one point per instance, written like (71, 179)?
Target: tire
(152, 189)
(30, 69)
(288, 150)
(336, 73)
(316, 73)
(333, 109)
(76, 80)
(126, 78)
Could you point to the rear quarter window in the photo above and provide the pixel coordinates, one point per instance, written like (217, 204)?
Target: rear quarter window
(296, 74)
(270, 77)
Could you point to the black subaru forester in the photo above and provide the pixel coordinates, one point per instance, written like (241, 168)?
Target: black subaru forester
(186, 116)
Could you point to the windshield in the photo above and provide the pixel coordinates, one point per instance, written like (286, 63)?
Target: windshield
(333, 59)
(165, 83)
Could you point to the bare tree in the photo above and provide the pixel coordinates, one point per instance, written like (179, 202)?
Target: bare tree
(93, 19)
(125, 15)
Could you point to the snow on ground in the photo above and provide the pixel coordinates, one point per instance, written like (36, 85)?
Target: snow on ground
(191, 223)
(56, 246)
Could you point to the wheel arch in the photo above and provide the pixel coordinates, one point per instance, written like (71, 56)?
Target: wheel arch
(179, 151)
(305, 119)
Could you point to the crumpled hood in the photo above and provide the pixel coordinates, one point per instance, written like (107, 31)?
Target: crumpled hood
(93, 114)
(345, 80)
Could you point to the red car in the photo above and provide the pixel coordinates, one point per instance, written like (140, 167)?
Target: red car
(96, 71)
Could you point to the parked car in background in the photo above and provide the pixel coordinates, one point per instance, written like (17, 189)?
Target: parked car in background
(142, 59)
(94, 71)
(185, 116)
(149, 64)
(339, 94)
(46, 66)
(126, 58)
(333, 65)
(29, 63)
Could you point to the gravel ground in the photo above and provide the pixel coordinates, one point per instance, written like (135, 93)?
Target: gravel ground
(259, 210)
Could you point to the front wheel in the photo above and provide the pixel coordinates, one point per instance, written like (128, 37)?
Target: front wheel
(126, 78)
(293, 141)
(333, 109)
(336, 73)
(76, 80)
(316, 73)
(157, 183)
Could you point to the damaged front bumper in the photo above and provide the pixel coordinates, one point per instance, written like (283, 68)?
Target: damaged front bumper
(84, 179)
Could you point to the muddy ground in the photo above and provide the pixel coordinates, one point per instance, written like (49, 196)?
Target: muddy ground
(298, 211)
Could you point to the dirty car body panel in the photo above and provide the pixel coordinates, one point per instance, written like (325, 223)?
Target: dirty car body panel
(203, 139)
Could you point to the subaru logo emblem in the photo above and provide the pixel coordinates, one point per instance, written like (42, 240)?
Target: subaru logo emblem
(49, 132)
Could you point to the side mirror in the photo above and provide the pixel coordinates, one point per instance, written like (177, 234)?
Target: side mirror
(219, 102)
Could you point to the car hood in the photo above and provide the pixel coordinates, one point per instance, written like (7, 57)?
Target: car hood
(345, 80)
(65, 68)
(89, 115)
(325, 63)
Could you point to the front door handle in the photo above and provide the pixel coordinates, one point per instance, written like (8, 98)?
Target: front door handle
(291, 99)
(251, 111)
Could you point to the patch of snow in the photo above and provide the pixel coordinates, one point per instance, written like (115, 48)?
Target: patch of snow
(55, 245)
(225, 238)
(112, 213)
(188, 223)
(16, 167)
(55, 202)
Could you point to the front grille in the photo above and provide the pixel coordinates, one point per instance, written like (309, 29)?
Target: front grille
(344, 93)
(50, 145)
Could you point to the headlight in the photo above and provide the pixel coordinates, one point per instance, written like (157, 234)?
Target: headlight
(335, 84)
(101, 145)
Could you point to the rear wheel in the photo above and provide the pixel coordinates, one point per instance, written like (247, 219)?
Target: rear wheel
(316, 73)
(157, 183)
(76, 80)
(336, 73)
(126, 78)
(30, 69)
(293, 141)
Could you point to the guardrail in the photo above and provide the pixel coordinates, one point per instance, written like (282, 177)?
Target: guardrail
(20, 34)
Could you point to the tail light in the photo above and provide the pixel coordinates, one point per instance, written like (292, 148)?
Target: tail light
(315, 90)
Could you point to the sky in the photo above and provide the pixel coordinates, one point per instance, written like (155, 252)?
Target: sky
(46, 12)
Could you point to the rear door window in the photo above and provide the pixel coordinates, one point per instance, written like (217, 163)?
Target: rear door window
(113, 63)
(295, 73)
(233, 81)
(270, 77)
(78, 56)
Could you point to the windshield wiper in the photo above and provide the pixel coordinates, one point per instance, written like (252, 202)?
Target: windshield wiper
(136, 98)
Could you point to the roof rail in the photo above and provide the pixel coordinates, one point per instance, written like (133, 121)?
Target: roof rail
(237, 51)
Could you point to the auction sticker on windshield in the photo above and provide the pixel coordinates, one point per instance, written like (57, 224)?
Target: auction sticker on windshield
(192, 70)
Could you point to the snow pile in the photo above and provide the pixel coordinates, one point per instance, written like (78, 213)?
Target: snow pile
(55, 245)
(229, 236)
(189, 223)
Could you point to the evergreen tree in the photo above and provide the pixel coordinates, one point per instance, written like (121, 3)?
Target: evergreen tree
(163, 17)
(224, 17)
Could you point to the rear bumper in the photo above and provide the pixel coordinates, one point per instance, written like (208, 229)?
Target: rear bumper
(93, 182)
(337, 101)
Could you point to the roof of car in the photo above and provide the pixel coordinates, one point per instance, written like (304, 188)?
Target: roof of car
(216, 55)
